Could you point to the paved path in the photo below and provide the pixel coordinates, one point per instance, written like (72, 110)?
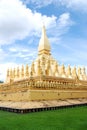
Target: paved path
(41, 104)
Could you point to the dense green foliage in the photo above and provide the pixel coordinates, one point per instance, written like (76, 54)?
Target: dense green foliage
(64, 119)
(1, 81)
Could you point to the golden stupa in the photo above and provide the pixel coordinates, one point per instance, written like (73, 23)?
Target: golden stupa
(45, 79)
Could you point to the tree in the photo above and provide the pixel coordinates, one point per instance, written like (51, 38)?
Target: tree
(1, 81)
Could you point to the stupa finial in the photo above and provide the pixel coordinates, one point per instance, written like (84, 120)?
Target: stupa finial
(44, 45)
(43, 30)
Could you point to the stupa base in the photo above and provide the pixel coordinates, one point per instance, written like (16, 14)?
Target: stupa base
(37, 106)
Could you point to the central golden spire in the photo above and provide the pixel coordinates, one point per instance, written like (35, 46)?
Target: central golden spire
(44, 45)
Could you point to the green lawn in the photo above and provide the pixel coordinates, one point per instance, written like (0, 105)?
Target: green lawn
(64, 119)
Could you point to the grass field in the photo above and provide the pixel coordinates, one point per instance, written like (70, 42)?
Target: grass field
(63, 119)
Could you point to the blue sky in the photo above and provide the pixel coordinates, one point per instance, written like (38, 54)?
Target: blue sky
(20, 30)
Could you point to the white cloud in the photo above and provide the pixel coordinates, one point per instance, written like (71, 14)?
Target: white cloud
(18, 49)
(17, 21)
(38, 3)
(74, 4)
(64, 22)
(62, 25)
(22, 54)
(2, 54)
(13, 49)
(64, 19)
(21, 50)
